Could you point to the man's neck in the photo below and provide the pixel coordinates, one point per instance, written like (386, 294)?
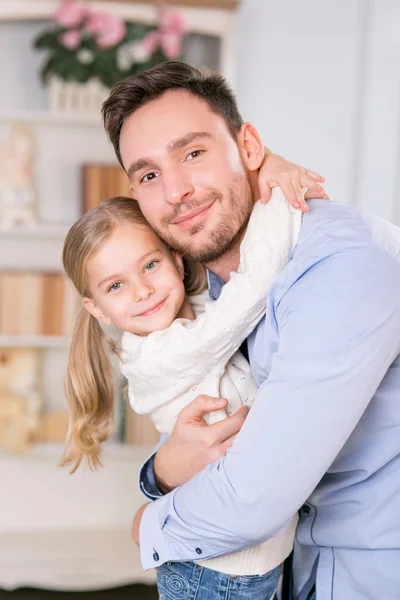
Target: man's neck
(228, 262)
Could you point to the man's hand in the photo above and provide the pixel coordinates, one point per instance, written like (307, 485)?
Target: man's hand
(277, 171)
(192, 444)
(136, 523)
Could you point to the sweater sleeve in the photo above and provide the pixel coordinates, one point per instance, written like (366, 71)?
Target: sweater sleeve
(188, 351)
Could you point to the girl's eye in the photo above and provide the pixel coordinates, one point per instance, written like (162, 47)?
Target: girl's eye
(194, 154)
(148, 177)
(150, 266)
(115, 286)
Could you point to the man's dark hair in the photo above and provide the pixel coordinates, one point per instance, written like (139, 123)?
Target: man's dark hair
(137, 90)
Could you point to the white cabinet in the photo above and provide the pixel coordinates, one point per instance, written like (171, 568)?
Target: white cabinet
(61, 531)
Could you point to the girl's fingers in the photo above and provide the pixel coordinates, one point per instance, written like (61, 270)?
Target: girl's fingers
(315, 176)
(265, 191)
(298, 186)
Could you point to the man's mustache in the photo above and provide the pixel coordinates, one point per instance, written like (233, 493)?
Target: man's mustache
(192, 205)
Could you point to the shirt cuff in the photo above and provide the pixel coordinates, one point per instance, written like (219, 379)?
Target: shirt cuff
(153, 547)
(147, 480)
(161, 541)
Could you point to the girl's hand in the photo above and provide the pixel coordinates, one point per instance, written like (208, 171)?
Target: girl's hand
(276, 171)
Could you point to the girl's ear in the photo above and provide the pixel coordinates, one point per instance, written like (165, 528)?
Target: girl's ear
(251, 146)
(178, 262)
(95, 311)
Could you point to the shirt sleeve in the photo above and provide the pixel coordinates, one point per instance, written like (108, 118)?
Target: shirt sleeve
(147, 479)
(339, 331)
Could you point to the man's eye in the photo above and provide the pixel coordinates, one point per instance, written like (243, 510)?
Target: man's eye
(150, 265)
(194, 154)
(115, 286)
(148, 177)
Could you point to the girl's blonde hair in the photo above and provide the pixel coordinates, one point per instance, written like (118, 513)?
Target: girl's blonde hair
(89, 379)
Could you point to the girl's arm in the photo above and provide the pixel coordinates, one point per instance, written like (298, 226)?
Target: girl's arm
(188, 351)
(291, 178)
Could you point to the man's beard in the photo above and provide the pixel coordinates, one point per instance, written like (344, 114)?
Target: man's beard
(226, 234)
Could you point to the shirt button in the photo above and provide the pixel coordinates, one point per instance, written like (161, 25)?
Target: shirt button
(199, 551)
(156, 557)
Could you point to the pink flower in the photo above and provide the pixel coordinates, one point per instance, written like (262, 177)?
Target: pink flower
(172, 20)
(71, 39)
(70, 13)
(108, 29)
(169, 35)
(172, 45)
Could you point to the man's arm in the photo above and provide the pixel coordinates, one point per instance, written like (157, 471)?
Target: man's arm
(339, 328)
(191, 446)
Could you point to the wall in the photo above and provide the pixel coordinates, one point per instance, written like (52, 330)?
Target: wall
(321, 82)
(21, 88)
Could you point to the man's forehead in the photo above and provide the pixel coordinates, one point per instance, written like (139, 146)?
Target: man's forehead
(174, 115)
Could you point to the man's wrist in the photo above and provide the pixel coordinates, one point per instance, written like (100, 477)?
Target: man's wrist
(157, 466)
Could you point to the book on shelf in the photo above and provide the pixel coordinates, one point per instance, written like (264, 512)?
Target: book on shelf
(37, 304)
(102, 181)
(52, 304)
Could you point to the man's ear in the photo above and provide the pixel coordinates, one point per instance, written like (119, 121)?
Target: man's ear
(178, 262)
(251, 146)
(95, 311)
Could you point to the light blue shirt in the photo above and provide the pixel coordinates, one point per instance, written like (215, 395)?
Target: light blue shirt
(323, 435)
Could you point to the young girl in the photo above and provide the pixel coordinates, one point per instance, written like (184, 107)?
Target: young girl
(172, 349)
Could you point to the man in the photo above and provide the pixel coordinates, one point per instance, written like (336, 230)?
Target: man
(323, 435)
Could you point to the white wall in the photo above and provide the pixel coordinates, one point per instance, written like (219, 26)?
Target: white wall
(321, 82)
(21, 88)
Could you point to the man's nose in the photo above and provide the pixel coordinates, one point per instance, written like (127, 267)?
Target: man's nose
(177, 186)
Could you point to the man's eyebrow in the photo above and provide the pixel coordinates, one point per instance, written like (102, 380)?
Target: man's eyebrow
(187, 139)
(141, 163)
(145, 163)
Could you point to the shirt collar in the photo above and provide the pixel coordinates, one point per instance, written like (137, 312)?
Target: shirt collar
(215, 285)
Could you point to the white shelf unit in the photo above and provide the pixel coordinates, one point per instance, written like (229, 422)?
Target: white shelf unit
(217, 22)
(36, 248)
(76, 535)
(34, 341)
(59, 531)
(43, 117)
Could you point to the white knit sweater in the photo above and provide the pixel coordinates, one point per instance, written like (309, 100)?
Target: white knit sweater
(168, 369)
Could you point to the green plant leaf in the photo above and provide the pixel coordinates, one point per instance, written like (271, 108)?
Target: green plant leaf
(49, 39)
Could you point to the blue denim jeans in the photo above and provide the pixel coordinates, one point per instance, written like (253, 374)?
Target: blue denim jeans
(188, 581)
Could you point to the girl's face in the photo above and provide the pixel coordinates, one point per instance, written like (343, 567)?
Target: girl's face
(134, 282)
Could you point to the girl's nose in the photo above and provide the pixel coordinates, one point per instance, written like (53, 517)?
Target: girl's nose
(143, 291)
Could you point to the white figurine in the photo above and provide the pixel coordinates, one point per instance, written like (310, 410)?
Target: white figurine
(17, 195)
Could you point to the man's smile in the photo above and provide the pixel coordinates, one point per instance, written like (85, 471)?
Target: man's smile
(193, 217)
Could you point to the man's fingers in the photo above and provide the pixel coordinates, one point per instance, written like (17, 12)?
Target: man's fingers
(136, 523)
(223, 430)
(224, 447)
(202, 404)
